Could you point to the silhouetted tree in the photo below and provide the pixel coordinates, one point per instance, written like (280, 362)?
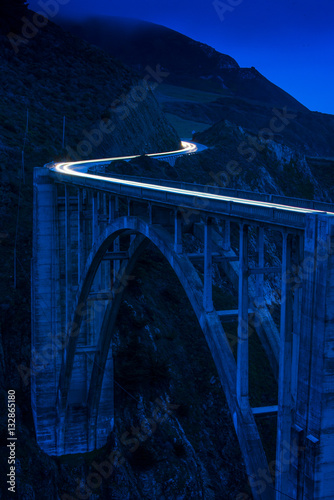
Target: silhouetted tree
(11, 13)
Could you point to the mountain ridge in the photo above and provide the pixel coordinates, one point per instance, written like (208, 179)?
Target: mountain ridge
(138, 43)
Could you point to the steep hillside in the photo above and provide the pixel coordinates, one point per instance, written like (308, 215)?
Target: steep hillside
(201, 87)
(189, 63)
(57, 75)
(240, 159)
(53, 76)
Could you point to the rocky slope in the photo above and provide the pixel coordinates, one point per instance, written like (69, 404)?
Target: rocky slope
(260, 164)
(308, 132)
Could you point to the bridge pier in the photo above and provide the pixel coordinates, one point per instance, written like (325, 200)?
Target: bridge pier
(242, 355)
(297, 304)
(207, 295)
(224, 231)
(260, 261)
(95, 221)
(113, 206)
(68, 254)
(178, 232)
(81, 256)
(314, 413)
(284, 418)
(45, 311)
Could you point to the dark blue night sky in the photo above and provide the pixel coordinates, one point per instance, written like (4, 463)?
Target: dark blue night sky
(291, 42)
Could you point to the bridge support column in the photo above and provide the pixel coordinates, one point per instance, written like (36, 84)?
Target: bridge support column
(314, 418)
(113, 208)
(45, 312)
(95, 222)
(260, 258)
(178, 232)
(68, 255)
(297, 303)
(110, 210)
(150, 213)
(104, 266)
(208, 304)
(242, 355)
(284, 420)
(81, 257)
(114, 214)
(130, 207)
(224, 230)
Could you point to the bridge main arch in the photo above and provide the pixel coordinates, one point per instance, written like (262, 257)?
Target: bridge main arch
(75, 219)
(250, 443)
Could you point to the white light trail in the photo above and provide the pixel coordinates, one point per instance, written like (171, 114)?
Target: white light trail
(80, 168)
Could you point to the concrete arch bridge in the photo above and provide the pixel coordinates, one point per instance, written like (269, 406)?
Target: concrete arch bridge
(89, 231)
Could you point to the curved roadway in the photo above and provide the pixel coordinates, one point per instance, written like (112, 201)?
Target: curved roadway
(80, 169)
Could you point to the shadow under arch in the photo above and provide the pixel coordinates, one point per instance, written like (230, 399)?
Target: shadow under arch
(243, 419)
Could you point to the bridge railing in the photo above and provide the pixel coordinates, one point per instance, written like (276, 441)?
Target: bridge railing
(233, 193)
(237, 207)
